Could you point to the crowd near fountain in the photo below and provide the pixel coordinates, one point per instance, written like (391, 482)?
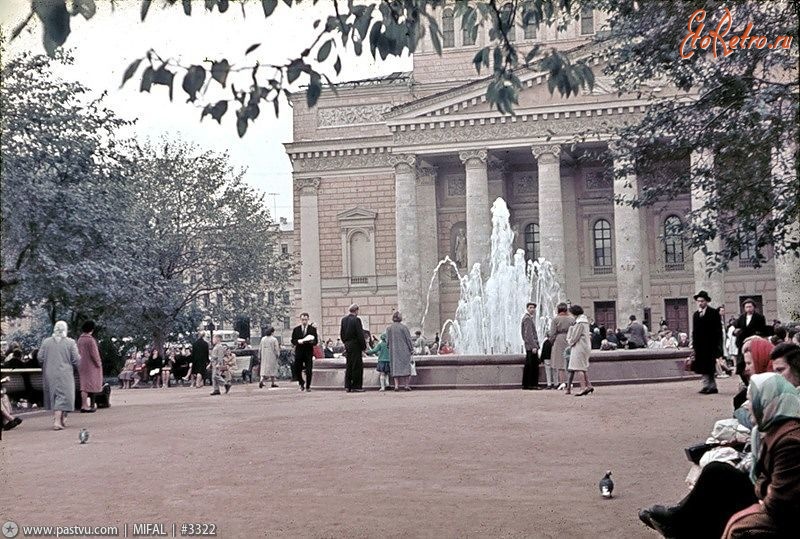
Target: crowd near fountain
(487, 319)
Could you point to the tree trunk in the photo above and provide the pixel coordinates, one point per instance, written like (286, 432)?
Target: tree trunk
(159, 338)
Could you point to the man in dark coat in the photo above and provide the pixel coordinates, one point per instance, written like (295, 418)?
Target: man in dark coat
(748, 324)
(530, 373)
(304, 337)
(352, 335)
(200, 358)
(706, 341)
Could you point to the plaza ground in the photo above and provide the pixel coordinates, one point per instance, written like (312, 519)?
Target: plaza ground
(278, 463)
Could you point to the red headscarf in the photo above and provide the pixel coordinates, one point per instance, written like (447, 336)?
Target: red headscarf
(760, 349)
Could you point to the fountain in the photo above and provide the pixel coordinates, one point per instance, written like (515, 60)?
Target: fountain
(487, 320)
(485, 329)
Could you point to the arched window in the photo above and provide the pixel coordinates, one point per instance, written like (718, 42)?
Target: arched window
(507, 21)
(601, 237)
(448, 29)
(673, 243)
(532, 241)
(359, 255)
(468, 32)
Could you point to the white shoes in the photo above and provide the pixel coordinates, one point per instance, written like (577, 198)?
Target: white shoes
(562, 387)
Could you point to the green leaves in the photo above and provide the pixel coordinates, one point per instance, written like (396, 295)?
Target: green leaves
(55, 19)
(193, 81)
(252, 47)
(219, 71)
(324, 51)
(269, 6)
(86, 8)
(314, 90)
(147, 79)
(164, 77)
(217, 111)
(130, 70)
(145, 8)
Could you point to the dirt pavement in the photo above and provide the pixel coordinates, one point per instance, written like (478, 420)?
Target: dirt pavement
(278, 463)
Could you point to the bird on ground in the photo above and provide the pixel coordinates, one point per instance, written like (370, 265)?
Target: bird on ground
(606, 485)
(83, 436)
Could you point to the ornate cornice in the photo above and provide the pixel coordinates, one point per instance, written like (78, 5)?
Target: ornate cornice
(307, 186)
(471, 156)
(340, 160)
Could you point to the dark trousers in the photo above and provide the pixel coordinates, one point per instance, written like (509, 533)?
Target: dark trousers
(720, 491)
(530, 374)
(300, 363)
(354, 371)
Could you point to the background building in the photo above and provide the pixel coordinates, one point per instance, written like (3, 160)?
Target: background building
(393, 174)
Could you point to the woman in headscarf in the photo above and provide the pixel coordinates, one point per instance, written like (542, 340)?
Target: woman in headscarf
(398, 339)
(723, 498)
(59, 357)
(775, 408)
(755, 351)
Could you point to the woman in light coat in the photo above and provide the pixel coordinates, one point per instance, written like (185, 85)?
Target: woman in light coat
(269, 352)
(579, 343)
(400, 349)
(59, 357)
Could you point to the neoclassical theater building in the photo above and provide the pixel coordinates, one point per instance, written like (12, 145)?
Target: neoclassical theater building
(391, 175)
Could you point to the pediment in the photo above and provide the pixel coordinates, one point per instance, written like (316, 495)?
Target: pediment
(357, 214)
(468, 101)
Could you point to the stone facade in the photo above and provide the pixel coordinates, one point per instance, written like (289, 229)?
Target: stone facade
(393, 175)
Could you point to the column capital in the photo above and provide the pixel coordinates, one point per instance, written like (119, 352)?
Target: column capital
(426, 174)
(547, 153)
(307, 186)
(471, 156)
(402, 160)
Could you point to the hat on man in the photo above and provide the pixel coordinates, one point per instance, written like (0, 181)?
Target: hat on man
(702, 294)
(749, 300)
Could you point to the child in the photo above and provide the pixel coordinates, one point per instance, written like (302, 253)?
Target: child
(228, 369)
(384, 361)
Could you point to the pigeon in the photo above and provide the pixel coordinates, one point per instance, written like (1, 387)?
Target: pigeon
(83, 436)
(606, 485)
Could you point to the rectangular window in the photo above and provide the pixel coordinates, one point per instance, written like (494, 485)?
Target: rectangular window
(287, 323)
(587, 21)
(284, 249)
(286, 299)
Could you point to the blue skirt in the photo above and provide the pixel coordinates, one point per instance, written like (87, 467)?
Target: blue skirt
(384, 367)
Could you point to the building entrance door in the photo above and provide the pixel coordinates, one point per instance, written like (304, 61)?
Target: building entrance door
(605, 314)
(676, 313)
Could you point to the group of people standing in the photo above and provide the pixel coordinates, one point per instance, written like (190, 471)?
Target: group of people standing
(59, 356)
(565, 351)
(394, 351)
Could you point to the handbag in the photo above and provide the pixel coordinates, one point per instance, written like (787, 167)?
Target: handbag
(413, 368)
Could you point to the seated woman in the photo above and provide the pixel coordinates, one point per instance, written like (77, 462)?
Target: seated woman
(756, 351)
(128, 373)
(724, 496)
(329, 352)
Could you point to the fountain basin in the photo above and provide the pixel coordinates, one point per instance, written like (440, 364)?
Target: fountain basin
(504, 371)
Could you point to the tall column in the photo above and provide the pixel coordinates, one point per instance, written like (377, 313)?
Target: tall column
(406, 240)
(310, 282)
(628, 245)
(702, 170)
(479, 218)
(551, 212)
(429, 247)
(787, 263)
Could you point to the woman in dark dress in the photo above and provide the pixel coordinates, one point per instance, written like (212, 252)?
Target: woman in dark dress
(154, 365)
